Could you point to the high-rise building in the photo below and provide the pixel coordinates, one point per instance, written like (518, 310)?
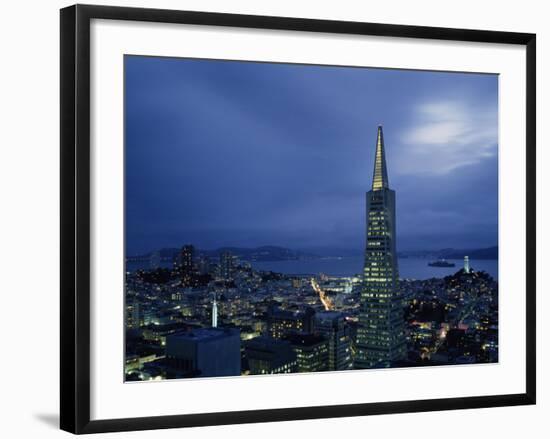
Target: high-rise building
(205, 352)
(186, 264)
(269, 356)
(133, 314)
(187, 254)
(281, 322)
(332, 325)
(203, 264)
(381, 331)
(226, 266)
(312, 351)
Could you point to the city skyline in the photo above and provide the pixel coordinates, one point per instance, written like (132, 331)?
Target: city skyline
(213, 317)
(288, 146)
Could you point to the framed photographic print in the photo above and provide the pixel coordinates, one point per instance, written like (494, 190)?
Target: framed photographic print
(268, 218)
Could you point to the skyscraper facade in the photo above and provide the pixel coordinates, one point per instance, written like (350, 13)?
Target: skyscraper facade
(381, 331)
(267, 355)
(312, 351)
(205, 352)
(186, 264)
(282, 322)
(332, 325)
(226, 266)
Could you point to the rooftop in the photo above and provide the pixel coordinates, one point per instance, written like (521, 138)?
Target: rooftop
(328, 315)
(304, 339)
(206, 333)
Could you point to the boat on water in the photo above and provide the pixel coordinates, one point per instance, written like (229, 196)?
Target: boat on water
(441, 263)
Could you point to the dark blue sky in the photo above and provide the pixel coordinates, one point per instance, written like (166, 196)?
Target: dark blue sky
(223, 153)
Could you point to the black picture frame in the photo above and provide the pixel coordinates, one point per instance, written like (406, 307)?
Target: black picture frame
(75, 217)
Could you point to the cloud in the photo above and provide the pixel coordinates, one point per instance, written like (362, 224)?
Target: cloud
(447, 135)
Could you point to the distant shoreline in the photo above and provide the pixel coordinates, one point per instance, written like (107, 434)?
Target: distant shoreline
(348, 266)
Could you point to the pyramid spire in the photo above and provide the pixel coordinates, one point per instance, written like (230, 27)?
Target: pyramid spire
(380, 176)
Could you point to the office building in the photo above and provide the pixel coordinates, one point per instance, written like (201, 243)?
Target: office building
(312, 351)
(381, 331)
(269, 356)
(205, 352)
(282, 322)
(227, 266)
(332, 325)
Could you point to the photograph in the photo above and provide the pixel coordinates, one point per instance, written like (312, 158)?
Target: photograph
(295, 218)
(275, 219)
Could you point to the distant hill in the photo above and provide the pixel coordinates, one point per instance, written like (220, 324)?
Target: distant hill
(452, 253)
(263, 253)
(166, 254)
(274, 253)
(480, 253)
(336, 251)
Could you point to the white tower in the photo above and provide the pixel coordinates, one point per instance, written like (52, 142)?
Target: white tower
(466, 264)
(214, 313)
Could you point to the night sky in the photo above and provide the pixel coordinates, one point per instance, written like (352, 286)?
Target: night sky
(225, 153)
